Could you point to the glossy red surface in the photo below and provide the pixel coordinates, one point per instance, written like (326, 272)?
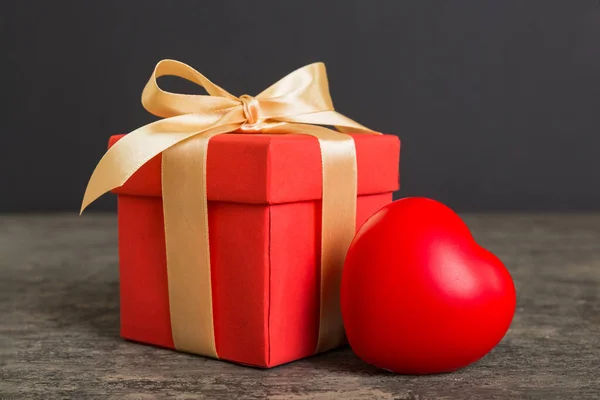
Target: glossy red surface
(419, 295)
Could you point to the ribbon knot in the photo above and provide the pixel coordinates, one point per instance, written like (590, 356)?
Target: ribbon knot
(251, 108)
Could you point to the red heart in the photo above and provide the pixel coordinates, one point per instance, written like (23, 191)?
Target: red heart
(419, 295)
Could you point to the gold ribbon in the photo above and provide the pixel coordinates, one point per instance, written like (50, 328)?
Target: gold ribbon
(296, 104)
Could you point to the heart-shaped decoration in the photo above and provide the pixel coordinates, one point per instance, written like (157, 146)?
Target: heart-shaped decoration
(419, 295)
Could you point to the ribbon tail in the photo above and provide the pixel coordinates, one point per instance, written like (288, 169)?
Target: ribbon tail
(138, 147)
(338, 222)
(331, 118)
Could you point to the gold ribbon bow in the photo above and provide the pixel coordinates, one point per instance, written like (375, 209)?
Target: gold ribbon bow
(296, 104)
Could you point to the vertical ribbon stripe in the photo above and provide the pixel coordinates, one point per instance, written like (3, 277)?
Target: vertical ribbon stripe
(185, 209)
(338, 158)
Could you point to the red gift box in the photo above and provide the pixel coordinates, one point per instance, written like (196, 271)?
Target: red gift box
(264, 224)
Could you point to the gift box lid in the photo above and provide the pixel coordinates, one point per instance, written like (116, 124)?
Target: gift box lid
(274, 169)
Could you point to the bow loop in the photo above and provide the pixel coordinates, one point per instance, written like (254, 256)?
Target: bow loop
(303, 91)
(167, 104)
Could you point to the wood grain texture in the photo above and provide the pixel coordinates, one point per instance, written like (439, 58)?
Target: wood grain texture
(59, 324)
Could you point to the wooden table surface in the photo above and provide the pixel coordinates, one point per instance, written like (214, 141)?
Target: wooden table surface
(59, 324)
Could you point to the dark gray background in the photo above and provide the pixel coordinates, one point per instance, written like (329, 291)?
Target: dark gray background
(496, 101)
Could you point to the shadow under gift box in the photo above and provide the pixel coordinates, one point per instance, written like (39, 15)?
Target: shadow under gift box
(264, 214)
